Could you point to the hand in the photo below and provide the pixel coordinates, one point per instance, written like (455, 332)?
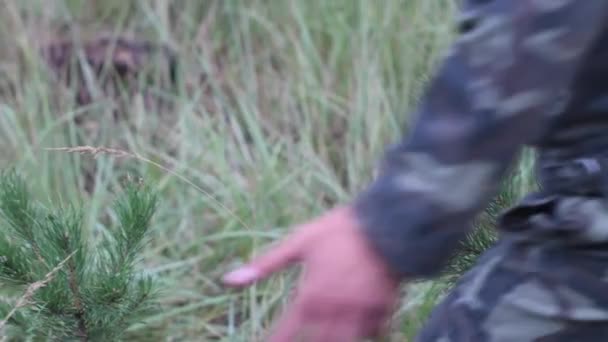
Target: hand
(345, 294)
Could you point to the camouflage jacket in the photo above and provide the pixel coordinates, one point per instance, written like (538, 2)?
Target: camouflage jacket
(521, 73)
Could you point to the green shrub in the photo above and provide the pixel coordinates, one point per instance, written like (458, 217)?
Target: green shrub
(484, 234)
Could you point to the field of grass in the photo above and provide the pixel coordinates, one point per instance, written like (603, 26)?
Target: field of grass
(280, 110)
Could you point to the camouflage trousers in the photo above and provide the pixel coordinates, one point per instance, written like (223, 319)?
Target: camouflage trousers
(546, 279)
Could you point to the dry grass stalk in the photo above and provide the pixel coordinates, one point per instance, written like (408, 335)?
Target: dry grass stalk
(95, 151)
(101, 150)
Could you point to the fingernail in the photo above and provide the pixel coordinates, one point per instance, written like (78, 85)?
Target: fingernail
(241, 276)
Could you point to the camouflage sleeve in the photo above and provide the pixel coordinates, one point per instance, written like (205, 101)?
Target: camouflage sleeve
(496, 91)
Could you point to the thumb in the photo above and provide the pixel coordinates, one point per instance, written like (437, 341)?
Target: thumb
(275, 259)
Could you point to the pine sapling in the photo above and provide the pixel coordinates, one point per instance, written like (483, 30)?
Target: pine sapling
(519, 181)
(484, 233)
(61, 286)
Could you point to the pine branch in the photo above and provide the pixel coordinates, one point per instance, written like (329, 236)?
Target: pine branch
(31, 290)
(64, 236)
(18, 211)
(80, 313)
(483, 235)
(135, 210)
(14, 266)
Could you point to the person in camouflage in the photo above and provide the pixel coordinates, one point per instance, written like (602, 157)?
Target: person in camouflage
(521, 73)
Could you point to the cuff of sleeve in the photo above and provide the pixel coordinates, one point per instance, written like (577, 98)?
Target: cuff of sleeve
(415, 237)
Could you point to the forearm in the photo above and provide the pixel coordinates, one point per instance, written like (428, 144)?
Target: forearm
(422, 205)
(493, 94)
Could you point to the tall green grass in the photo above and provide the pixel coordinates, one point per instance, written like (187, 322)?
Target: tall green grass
(300, 99)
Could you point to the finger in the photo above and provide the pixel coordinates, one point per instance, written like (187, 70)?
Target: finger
(275, 259)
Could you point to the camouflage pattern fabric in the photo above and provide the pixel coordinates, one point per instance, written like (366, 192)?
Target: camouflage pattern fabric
(521, 292)
(521, 73)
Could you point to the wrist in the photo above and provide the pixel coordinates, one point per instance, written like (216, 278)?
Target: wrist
(372, 249)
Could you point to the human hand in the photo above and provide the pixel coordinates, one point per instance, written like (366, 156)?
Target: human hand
(346, 292)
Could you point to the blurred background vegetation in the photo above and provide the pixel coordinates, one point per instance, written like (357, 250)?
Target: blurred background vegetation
(247, 116)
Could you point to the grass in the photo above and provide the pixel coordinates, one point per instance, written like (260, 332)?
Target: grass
(281, 110)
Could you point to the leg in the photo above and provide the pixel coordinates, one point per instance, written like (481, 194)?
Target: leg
(519, 292)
